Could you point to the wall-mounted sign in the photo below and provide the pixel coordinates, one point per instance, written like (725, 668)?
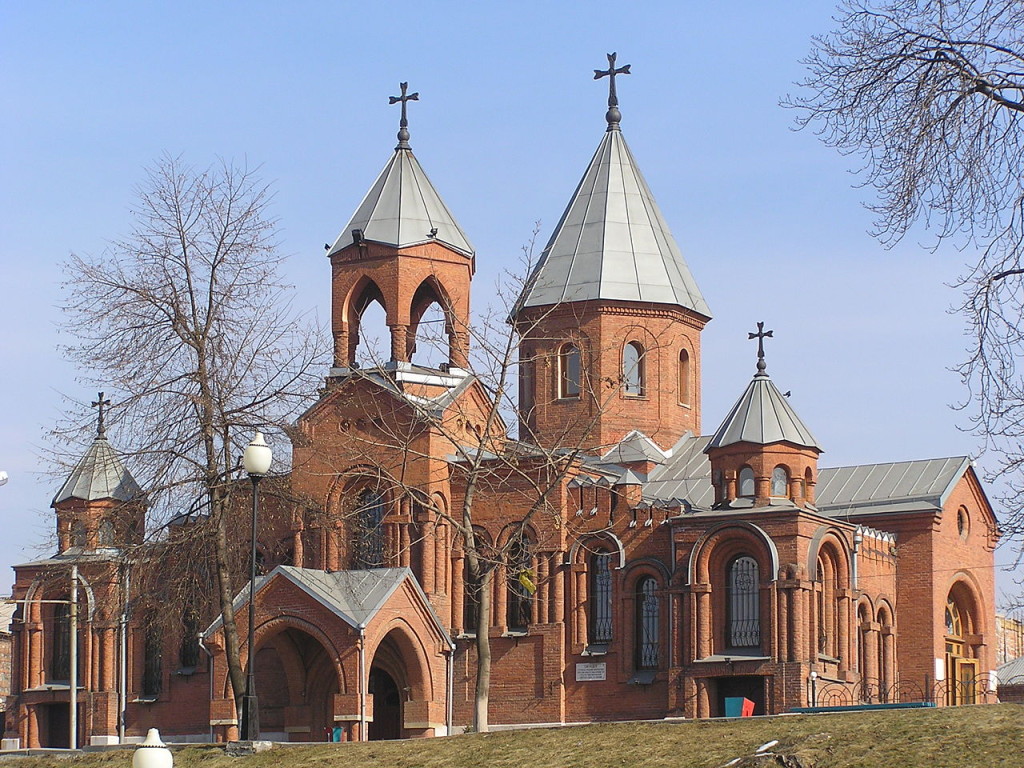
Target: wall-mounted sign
(593, 670)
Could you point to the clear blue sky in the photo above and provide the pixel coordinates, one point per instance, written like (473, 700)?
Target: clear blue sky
(509, 117)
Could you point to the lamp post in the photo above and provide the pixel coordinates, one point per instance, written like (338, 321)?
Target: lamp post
(256, 461)
(814, 688)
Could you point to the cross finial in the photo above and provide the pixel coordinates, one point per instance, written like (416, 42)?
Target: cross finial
(613, 116)
(761, 335)
(403, 124)
(101, 404)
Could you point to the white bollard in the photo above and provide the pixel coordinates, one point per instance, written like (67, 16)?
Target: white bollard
(152, 753)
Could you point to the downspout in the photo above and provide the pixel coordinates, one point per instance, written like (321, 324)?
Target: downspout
(449, 656)
(209, 655)
(858, 538)
(73, 665)
(122, 675)
(362, 682)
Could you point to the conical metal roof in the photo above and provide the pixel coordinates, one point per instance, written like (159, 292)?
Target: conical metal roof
(762, 416)
(612, 242)
(100, 474)
(402, 209)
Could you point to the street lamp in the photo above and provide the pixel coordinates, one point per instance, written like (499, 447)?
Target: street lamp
(256, 461)
(814, 688)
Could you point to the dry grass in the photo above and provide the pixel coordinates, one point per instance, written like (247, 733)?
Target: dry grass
(983, 736)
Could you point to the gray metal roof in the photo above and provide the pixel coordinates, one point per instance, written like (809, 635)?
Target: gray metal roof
(1011, 671)
(686, 475)
(762, 416)
(892, 487)
(355, 596)
(636, 446)
(402, 208)
(612, 242)
(100, 474)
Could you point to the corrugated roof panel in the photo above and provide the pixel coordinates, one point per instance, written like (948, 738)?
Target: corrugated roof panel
(401, 209)
(925, 481)
(612, 228)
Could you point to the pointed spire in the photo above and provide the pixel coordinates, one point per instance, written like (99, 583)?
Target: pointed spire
(99, 474)
(402, 207)
(403, 124)
(762, 415)
(612, 241)
(613, 116)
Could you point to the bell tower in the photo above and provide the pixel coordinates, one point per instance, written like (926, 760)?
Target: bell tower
(610, 320)
(403, 249)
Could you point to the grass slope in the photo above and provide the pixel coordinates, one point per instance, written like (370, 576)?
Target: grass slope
(982, 736)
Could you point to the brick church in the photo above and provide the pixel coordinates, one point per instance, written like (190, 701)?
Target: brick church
(637, 565)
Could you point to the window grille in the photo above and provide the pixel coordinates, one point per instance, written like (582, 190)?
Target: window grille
(518, 606)
(744, 604)
(152, 669)
(369, 538)
(647, 624)
(60, 658)
(601, 597)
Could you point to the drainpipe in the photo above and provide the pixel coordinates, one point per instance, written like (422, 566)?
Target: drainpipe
(362, 682)
(209, 666)
(73, 665)
(449, 656)
(122, 675)
(858, 538)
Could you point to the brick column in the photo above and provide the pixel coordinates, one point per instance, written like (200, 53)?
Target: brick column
(871, 659)
(331, 534)
(405, 545)
(558, 577)
(843, 641)
(400, 343)
(427, 544)
(109, 661)
(342, 356)
(297, 553)
(580, 604)
(543, 589)
(499, 617)
(441, 558)
(703, 620)
(458, 590)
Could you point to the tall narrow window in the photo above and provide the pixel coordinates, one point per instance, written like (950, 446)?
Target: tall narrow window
(647, 623)
(470, 601)
(188, 653)
(569, 371)
(780, 482)
(601, 597)
(747, 482)
(520, 585)
(743, 603)
(152, 663)
(369, 534)
(60, 656)
(78, 534)
(633, 369)
(684, 377)
(106, 532)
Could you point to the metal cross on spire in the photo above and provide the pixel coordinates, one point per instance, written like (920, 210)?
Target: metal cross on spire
(403, 124)
(761, 335)
(101, 404)
(613, 116)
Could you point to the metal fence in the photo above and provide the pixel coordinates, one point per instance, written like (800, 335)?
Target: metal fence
(982, 689)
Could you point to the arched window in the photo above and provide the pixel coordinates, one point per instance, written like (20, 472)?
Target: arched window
(152, 663)
(746, 482)
(963, 522)
(647, 619)
(78, 534)
(780, 482)
(106, 533)
(188, 653)
(743, 603)
(600, 597)
(863, 627)
(569, 371)
(961, 667)
(520, 585)
(60, 654)
(368, 549)
(684, 377)
(633, 369)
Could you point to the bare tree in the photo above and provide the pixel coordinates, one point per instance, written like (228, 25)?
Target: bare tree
(485, 463)
(929, 95)
(187, 320)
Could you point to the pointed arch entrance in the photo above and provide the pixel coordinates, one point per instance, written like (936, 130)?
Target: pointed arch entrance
(296, 682)
(389, 689)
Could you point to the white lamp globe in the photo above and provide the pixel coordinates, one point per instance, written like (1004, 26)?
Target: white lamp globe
(257, 456)
(152, 753)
